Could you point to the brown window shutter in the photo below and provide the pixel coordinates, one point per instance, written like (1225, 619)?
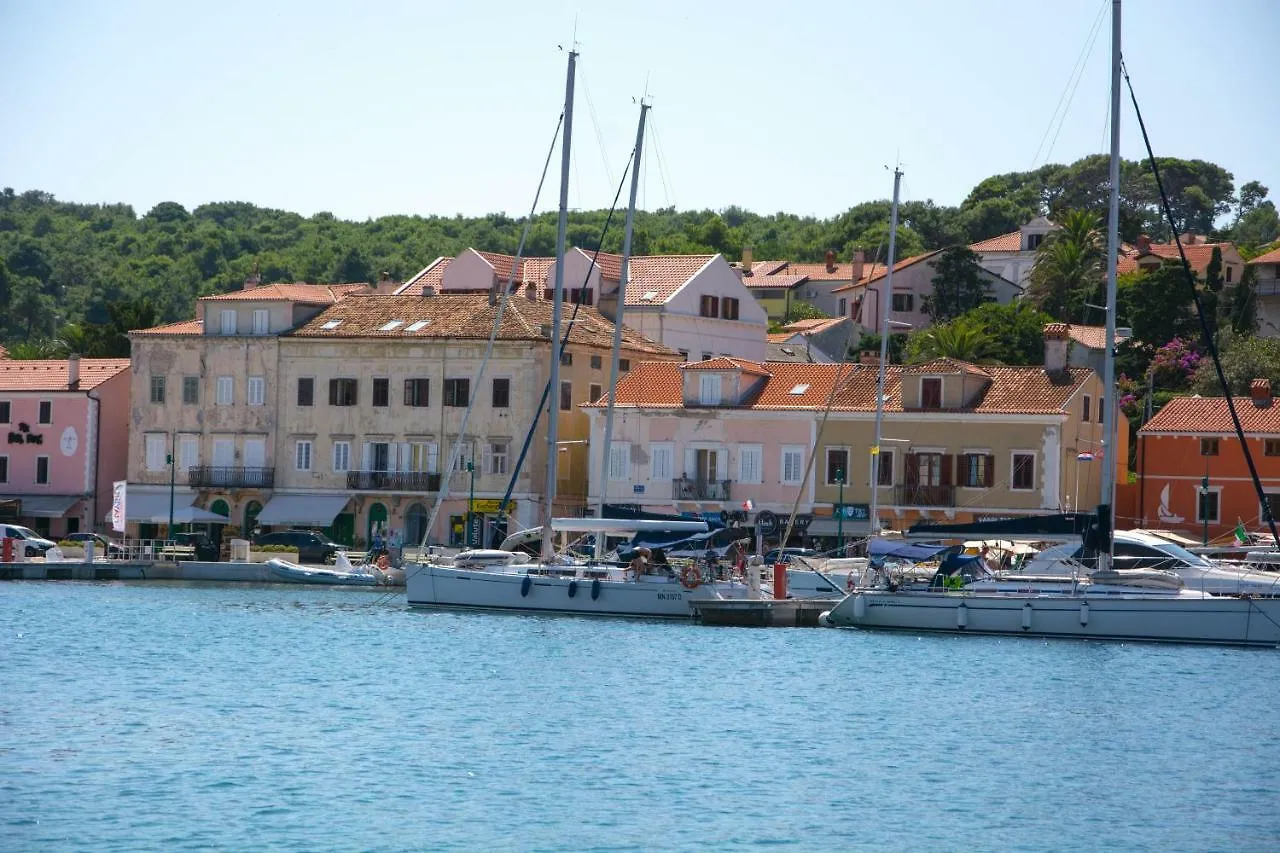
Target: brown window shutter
(946, 470)
(991, 472)
(911, 470)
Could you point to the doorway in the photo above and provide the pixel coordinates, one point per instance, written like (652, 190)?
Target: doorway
(377, 520)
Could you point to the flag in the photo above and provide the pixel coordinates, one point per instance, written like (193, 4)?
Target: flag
(1086, 456)
(1241, 536)
(118, 516)
(748, 505)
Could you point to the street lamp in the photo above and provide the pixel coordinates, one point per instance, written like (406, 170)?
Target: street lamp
(471, 504)
(173, 473)
(1204, 501)
(840, 511)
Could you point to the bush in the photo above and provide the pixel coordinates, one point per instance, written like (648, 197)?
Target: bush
(275, 549)
(68, 543)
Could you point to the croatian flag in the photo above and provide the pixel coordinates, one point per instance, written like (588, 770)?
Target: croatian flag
(748, 505)
(1084, 457)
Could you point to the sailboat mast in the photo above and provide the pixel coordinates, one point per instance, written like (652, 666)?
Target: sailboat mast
(617, 324)
(1106, 509)
(886, 298)
(557, 346)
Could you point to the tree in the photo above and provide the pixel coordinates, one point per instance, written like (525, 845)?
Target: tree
(803, 311)
(352, 267)
(1015, 332)
(1213, 271)
(30, 307)
(34, 350)
(1243, 360)
(1157, 305)
(1257, 227)
(1251, 195)
(1238, 311)
(871, 343)
(959, 286)
(1068, 269)
(959, 340)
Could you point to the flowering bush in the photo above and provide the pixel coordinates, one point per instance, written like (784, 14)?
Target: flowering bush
(1130, 395)
(1173, 365)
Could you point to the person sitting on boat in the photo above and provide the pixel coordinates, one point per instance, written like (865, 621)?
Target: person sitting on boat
(383, 562)
(640, 562)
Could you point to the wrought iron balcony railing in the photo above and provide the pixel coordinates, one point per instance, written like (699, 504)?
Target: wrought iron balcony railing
(925, 495)
(231, 477)
(685, 489)
(395, 481)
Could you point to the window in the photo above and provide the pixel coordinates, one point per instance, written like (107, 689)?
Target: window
(4, 412)
(306, 391)
(596, 392)
(931, 392)
(1208, 447)
(226, 390)
(191, 390)
(1207, 504)
(157, 389)
(189, 452)
(424, 456)
(1271, 447)
(750, 466)
(729, 308)
(844, 306)
(624, 364)
(257, 394)
(457, 392)
(709, 306)
(498, 452)
(566, 396)
(381, 392)
(228, 321)
(1084, 409)
(1024, 472)
(884, 474)
(706, 356)
(4, 469)
(302, 455)
(566, 359)
(1034, 241)
(42, 470)
(156, 450)
(837, 465)
(330, 325)
(46, 412)
(417, 393)
(377, 456)
(709, 389)
(464, 456)
(502, 393)
(792, 465)
(1229, 271)
(684, 354)
(620, 460)
(343, 392)
(660, 456)
(417, 325)
(596, 362)
(261, 321)
(341, 456)
(976, 470)
(1272, 503)
(390, 325)
(904, 302)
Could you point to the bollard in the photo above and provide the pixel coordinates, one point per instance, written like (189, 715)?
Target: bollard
(7, 555)
(779, 581)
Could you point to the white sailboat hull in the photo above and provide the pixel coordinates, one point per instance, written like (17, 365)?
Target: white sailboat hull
(429, 585)
(1158, 618)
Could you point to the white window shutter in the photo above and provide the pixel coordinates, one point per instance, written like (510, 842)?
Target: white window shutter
(404, 455)
(722, 465)
(366, 456)
(690, 463)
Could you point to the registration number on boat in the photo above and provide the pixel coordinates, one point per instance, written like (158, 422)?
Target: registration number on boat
(670, 596)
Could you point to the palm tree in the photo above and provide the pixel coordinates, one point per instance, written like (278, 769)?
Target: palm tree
(1068, 267)
(958, 340)
(40, 348)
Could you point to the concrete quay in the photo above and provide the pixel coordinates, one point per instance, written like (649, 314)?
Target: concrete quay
(763, 613)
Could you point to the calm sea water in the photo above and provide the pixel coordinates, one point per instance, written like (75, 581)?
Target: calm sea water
(141, 717)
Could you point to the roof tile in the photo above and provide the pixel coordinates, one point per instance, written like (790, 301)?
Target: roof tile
(1011, 242)
(309, 294)
(1210, 415)
(51, 374)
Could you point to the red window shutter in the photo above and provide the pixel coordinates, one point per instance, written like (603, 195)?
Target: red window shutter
(990, 478)
(911, 472)
(946, 470)
(963, 464)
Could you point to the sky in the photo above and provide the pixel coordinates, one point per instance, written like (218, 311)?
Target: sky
(389, 107)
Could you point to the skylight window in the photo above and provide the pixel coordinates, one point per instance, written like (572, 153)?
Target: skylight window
(799, 389)
(391, 326)
(331, 325)
(649, 296)
(416, 326)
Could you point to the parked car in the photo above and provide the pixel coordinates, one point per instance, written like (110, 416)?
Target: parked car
(30, 544)
(205, 549)
(312, 547)
(101, 544)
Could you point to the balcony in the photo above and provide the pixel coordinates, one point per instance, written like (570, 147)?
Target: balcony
(684, 489)
(230, 477)
(393, 481)
(925, 495)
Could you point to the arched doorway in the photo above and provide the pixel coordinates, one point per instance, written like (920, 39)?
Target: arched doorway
(218, 507)
(251, 511)
(415, 524)
(377, 520)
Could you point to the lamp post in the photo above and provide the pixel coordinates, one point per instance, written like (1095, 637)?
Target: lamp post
(173, 475)
(840, 512)
(1204, 501)
(471, 504)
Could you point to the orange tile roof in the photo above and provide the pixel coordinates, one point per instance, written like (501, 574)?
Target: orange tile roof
(879, 271)
(464, 315)
(308, 294)
(432, 275)
(813, 326)
(779, 337)
(1010, 390)
(4, 352)
(1093, 337)
(768, 267)
(661, 275)
(1210, 415)
(51, 374)
(819, 271)
(182, 327)
(1011, 242)
(774, 282)
(944, 365)
(1198, 255)
(724, 362)
(1272, 257)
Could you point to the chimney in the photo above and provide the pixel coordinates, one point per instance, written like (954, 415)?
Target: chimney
(748, 259)
(1056, 338)
(254, 278)
(494, 290)
(385, 286)
(73, 372)
(859, 258)
(869, 357)
(1143, 244)
(531, 291)
(428, 290)
(831, 261)
(1260, 392)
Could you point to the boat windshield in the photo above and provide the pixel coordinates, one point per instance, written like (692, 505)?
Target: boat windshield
(1180, 553)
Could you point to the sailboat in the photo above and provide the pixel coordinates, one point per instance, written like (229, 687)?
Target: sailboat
(499, 579)
(1108, 604)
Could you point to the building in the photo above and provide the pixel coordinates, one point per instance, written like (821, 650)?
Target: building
(1145, 255)
(912, 283)
(1088, 345)
(1192, 475)
(779, 285)
(813, 341)
(1267, 288)
(962, 442)
(693, 304)
(1012, 255)
(60, 415)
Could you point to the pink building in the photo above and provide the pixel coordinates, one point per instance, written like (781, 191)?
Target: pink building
(56, 414)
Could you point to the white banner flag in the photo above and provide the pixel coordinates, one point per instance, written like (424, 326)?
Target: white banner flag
(117, 505)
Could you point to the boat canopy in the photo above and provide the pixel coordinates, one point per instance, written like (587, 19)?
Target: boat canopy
(1063, 527)
(903, 550)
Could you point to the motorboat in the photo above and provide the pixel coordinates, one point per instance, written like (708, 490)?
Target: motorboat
(290, 572)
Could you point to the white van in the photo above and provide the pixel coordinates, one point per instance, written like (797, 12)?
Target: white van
(31, 544)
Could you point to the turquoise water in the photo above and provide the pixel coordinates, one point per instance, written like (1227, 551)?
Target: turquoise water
(140, 717)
